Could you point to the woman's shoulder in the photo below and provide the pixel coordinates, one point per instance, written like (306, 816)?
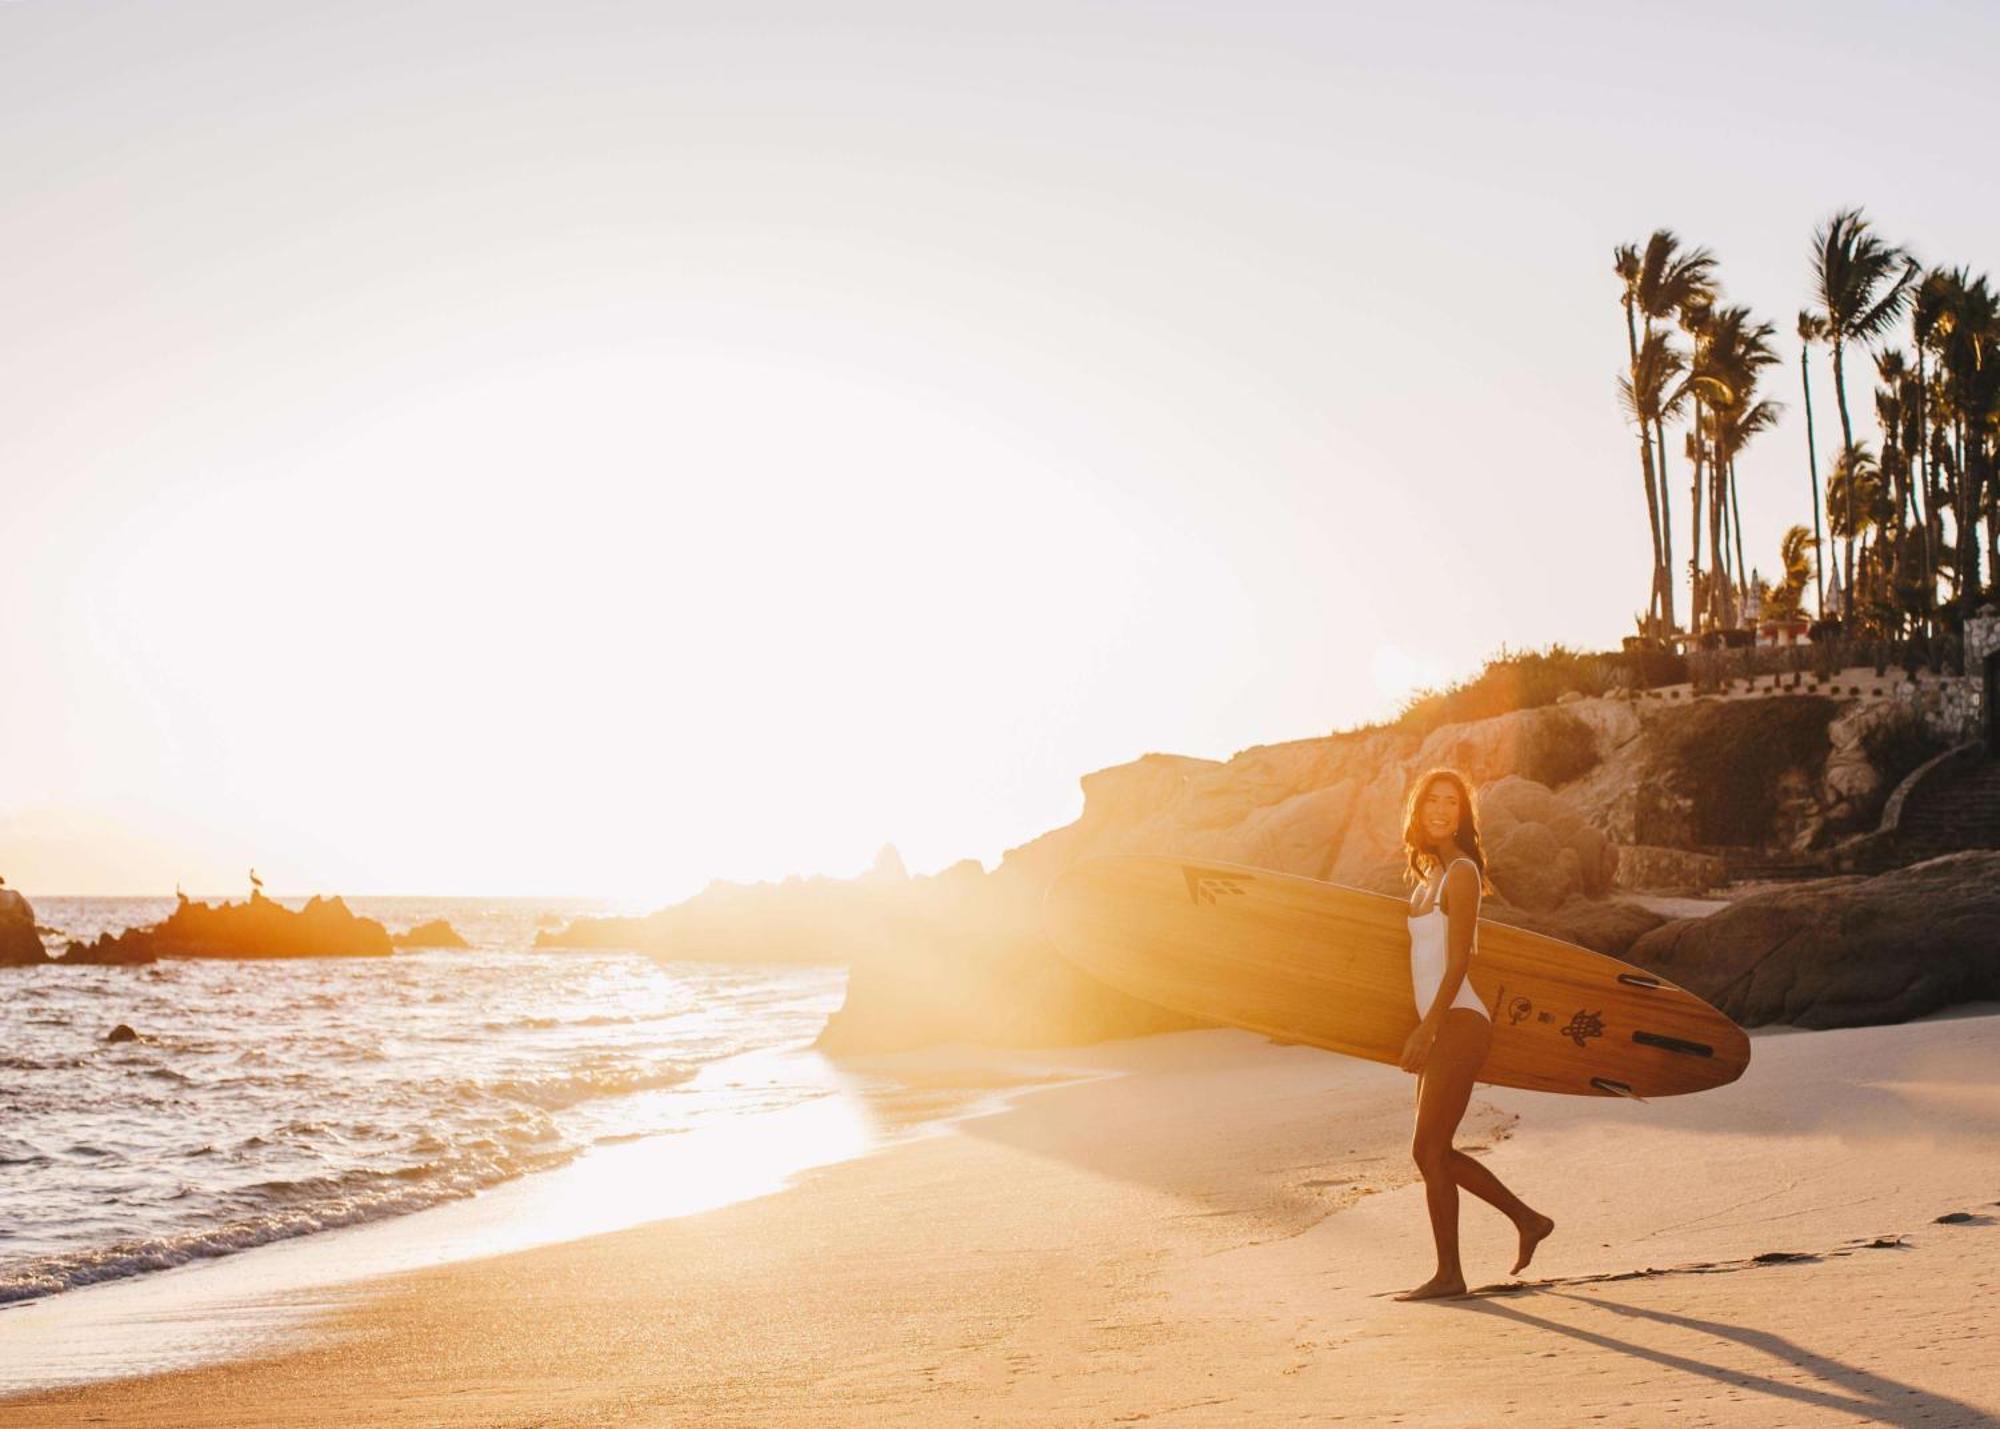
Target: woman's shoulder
(1475, 878)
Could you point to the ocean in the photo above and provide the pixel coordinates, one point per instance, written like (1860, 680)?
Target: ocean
(272, 1100)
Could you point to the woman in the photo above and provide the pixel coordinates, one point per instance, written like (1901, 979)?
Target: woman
(1441, 842)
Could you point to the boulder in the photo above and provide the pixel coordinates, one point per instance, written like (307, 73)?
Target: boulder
(20, 943)
(1542, 852)
(437, 933)
(121, 1033)
(1531, 868)
(1604, 925)
(1844, 952)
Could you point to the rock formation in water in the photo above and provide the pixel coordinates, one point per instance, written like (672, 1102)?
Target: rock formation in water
(20, 943)
(260, 928)
(437, 933)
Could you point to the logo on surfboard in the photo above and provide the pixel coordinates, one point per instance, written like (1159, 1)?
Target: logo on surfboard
(1584, 1026)
(1205, 885)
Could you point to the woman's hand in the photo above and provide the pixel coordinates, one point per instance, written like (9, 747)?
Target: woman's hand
(1418, 1047)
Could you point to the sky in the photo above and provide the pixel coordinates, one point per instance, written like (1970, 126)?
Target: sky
(598, 448)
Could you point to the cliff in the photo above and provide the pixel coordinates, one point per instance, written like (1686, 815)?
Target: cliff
(1581, 801)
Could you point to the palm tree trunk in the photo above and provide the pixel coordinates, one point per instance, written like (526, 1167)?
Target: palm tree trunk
(1646, 463)
(1718, 543)
(1969, 485)
(1736, 524)
(1812, 464)
(1846, 447)
(1694, 521)
(1667, 577)
(1923, 456)
(1982, 500)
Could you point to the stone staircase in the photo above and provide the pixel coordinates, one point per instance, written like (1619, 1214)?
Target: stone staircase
(1962, 812)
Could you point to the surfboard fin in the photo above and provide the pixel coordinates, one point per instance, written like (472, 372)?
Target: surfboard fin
(1616, 1089)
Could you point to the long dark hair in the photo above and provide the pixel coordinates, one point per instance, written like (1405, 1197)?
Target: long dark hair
(1417, 856)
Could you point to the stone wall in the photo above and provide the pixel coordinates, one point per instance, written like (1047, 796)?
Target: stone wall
(1953, 707)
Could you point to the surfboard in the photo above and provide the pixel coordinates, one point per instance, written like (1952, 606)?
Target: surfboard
(1303, 960)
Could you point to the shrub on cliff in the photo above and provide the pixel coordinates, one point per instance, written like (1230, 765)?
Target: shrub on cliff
(1527, 680)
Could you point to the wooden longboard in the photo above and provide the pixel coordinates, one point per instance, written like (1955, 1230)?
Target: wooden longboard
(1307, 961)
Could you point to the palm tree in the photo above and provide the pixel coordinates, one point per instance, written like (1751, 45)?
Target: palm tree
(1925, 306)
(1782, 602)
(1737, 428)
(1855, 492)
(1967, 337)
(1627, 263)
(1731, 349)
(1651, 393)
(1661, 281)
(1861, 284)
(1698, 322)
(1896, 402)
(1811, 330)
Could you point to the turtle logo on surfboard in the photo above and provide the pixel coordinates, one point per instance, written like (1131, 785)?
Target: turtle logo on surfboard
(1584, 1026)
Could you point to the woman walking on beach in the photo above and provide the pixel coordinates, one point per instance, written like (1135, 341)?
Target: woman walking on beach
(1448, 1047)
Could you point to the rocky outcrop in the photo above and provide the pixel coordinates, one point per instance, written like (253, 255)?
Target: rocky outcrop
(1844, 952)
(1542, 852)
(20, 943)
(798, 920)
(1604, 925)
(123, 950)
(964, 960)
(1577, 800)
(437, 933)
(260, 928)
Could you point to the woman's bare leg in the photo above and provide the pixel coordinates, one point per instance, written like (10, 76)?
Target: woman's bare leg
(1443, 1091)
(1533, 1226)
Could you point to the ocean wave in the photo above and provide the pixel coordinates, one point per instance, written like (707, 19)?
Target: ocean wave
(273, 1100)
(34, 1064)
(562, 1090)
(543, 1024)
(343, 1201)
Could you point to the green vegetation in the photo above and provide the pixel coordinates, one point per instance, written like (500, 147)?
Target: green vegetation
(1530, 679)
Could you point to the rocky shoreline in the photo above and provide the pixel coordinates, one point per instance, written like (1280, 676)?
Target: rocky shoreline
(1601, 817)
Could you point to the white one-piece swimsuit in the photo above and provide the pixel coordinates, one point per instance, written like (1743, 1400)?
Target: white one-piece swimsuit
(1428, 958)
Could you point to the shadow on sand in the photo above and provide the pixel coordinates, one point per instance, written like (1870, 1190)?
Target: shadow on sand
(1843, 1388)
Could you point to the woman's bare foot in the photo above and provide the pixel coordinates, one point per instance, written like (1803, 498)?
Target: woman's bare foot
(1532, 1234)
(1438, 1287)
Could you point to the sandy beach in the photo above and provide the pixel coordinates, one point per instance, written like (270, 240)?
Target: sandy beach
(1212, 1237)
